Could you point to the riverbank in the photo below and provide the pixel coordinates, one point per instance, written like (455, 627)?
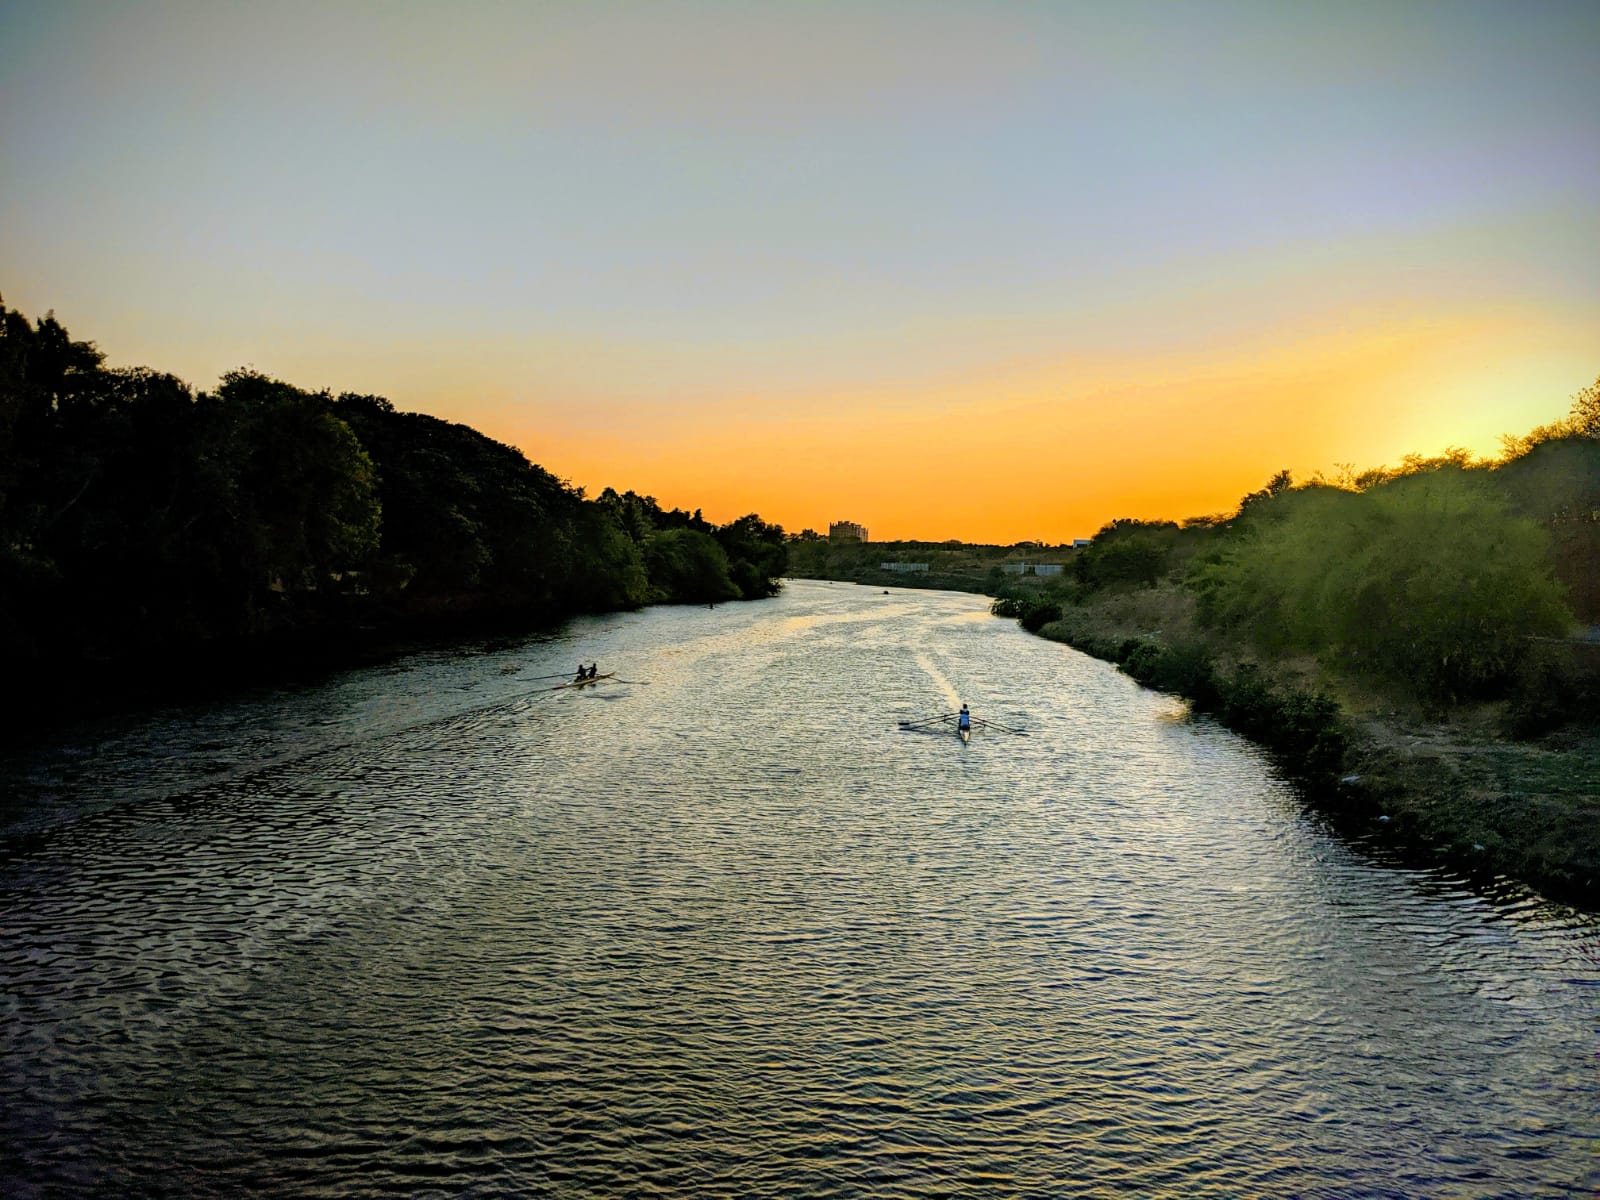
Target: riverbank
(71, 689)
(1456, 791)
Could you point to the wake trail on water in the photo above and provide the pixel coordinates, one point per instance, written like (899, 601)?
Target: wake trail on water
(938, 678)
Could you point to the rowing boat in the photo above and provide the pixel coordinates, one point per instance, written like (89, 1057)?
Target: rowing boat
(941, 723)
(578, 683)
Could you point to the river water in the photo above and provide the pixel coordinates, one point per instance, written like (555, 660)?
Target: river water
(433, 929)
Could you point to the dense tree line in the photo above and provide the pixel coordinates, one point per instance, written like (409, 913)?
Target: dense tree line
(1438, 577)
(138, 516)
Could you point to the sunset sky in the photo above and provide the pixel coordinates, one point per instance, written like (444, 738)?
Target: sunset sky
(983, 270)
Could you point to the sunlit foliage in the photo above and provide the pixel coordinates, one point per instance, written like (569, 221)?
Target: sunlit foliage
(1428, 579)
(1126, 552)
(1552, 476)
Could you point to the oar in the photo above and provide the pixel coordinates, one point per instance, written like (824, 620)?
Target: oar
(997, 725)
(925, 721)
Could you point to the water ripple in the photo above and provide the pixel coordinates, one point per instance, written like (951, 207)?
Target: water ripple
(432, 930)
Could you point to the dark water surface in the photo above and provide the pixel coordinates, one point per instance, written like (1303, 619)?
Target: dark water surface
(429, 930)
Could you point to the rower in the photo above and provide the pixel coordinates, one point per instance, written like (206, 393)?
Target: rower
(964, 720)
(583, 673)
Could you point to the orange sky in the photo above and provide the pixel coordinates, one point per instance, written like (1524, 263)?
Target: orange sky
(1053, 450)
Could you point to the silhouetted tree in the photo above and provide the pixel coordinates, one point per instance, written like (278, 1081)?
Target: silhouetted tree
(688, 565)
(756, 553)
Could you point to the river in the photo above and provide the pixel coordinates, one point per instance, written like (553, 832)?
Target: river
(435, 929)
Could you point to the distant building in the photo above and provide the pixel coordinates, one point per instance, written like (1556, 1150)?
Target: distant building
(1027, 568)
(847, 531)
(904, 566)
(1080, 543)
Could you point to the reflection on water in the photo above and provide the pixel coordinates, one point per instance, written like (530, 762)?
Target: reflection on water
(435, 929)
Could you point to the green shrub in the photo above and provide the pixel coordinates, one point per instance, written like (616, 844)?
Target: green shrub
(1126, 553)
(1549, 691)
(1426, 579)
(1185, 670)
(1039, 613)
(1033, 613)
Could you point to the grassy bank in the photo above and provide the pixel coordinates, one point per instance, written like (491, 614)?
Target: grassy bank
(1457, 791)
